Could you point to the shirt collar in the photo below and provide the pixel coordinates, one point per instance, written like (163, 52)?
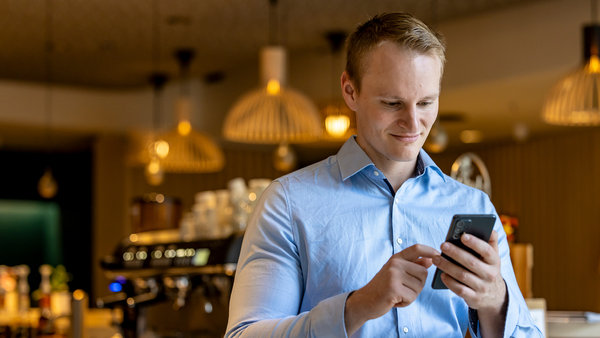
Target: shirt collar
(352, 159)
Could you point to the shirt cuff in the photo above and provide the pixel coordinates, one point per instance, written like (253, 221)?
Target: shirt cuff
(513, 311)
(474, 322)
(328, 316)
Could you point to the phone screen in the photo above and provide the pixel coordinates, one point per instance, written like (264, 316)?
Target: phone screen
(479, 225)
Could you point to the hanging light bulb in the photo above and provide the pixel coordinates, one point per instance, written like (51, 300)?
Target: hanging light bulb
(47, 187)
(273, 87)
(183, 106)
(161, 148)
(337, 122)
(154, 172)
(284, 158)
(337, 125)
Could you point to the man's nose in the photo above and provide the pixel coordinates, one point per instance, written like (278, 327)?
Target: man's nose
(409, 119)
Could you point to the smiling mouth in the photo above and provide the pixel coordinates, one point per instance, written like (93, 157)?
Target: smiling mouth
(406, 138)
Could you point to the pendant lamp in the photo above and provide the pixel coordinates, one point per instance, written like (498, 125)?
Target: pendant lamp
(338, 117)
(47, 186)
(190, 151)
(574, 101)
(273, 113)
(157, 148)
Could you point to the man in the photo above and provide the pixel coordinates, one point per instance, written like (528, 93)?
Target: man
(345, 246)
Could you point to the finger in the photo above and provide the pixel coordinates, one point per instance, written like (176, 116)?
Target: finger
(458, 288)
(413, 283)
(418, 250)
(494, 240)
(411, 268)
(463, 257)
(408, 296)
(424, 262)
(458, 273)
(484, 249)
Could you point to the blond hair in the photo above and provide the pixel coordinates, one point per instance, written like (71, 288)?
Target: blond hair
(400, 28)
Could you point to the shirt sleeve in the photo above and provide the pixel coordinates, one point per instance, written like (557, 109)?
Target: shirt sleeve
(268, 289)
(519, 322)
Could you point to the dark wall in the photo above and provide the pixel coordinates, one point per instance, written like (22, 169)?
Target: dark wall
(20, 172)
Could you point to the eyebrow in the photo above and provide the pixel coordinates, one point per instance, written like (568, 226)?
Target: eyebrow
(397, 98)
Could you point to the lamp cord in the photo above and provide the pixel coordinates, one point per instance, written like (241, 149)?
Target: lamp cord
(156, 81)
(594, 11)
(48, 49)
(273, 23)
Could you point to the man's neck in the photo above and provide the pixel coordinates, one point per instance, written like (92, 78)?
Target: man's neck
(397, 172)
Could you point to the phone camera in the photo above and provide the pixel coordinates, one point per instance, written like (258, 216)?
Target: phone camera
(460, 227)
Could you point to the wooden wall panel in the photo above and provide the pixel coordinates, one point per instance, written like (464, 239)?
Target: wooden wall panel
(550, 184)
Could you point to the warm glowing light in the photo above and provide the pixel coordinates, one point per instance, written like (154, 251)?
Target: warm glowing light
(161, 148)
(154, 172)
(273, 87)
(471, 136)
(337, 125)
(157, 254)
(594, 65)
(252, 196)
(284, 158)
(184, 127)
(47, 186)
(153, 167)
(78, 295)
(133, 238)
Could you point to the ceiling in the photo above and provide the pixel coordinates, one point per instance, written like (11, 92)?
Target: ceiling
(116, 45)
(109, 43)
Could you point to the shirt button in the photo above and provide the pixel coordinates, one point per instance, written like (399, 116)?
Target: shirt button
(405, 329)
(376, 173)
(399, 240)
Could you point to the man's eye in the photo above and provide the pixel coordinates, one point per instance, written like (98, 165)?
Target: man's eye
(391, 103)
(425, 103)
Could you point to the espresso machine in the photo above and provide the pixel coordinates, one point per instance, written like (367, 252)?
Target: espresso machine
(167, 287)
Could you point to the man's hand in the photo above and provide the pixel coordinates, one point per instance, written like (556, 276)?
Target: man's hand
(397, 284)
(481, 286)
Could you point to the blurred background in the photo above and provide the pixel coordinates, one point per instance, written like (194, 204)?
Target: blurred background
(90, 89)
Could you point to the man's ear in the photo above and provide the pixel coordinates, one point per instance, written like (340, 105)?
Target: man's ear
(349, 91)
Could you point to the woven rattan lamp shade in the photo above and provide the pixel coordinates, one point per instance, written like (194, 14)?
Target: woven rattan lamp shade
(273, 115)
(192, 153)
(574, 101)
(259, 117)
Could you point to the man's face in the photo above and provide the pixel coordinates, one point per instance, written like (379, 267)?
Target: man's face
(396, 104)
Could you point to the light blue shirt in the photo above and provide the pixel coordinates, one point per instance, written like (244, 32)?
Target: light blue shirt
(325, 230)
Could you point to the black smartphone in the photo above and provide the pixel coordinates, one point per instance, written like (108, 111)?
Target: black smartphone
(480, 225)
